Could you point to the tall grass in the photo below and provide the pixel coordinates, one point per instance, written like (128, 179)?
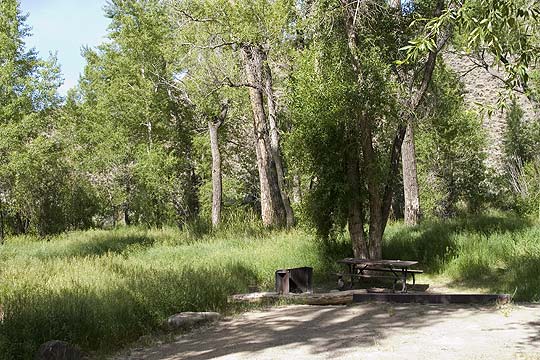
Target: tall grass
(102, 289)
(498, 252)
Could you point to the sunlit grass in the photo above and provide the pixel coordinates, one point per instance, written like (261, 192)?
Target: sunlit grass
(102, 289)
(495, 253)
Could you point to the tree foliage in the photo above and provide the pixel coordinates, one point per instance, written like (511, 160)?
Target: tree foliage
(319, 95)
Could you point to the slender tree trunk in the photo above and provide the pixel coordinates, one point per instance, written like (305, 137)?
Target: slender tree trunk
(275, 145)
(21, 224)
(370, 167)
(408, 160)
(217, 190)
(216, 174)
(272, 208)
(125, 206)
(296, 189)
(127, 219)
(2, 229)
(371, 173)
(410, 179)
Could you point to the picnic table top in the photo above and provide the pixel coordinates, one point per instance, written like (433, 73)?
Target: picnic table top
(372, 262)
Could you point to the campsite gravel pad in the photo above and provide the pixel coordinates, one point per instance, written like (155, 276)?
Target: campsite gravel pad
(366, 331)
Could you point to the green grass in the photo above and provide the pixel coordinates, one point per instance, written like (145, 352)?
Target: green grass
(103, 289)
(497, 253)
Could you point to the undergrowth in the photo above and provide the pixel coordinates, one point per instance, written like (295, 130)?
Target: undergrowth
(102, 289)
(498, 252)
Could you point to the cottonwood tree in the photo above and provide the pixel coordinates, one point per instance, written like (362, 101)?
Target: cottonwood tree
(412, 210)
(16, 68)
(135, 118)
(447, 17)
(35, 181)
(358, 19)
(500, 35)
(252, 30)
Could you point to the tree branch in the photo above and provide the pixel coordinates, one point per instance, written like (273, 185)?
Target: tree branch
(211, 47)
(192, 18)
(229, 83)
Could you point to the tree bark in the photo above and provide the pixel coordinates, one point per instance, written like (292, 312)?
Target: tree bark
(272, 208)
(217, 189)
(355, 212)
(376, 218)
(369, 168)
(410, 179)
(296, 189)
(216, 174)
(275, 146)
(408, 161)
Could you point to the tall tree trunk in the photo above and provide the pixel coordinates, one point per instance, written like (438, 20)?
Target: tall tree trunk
(272, 208)
(410, 179)
(217, 190)
(125, 206)
(127, 219)
(216, 173)
(275, 145)
(20, 224)
(370, 169)
(355, 212)
(408, 160)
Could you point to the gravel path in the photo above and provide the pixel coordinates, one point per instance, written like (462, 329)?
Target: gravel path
(368, 331)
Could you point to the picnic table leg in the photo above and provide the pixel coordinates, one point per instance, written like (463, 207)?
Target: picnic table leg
(404, 279)
(351, 271)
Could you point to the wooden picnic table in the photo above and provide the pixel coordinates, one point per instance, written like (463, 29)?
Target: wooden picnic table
(364, 268)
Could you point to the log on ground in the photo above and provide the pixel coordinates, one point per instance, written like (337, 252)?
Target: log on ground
(331, 298)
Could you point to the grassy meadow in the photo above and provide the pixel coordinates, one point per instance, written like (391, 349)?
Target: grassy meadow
(102, 289)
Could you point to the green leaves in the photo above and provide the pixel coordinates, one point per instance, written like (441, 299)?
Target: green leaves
(506, 29)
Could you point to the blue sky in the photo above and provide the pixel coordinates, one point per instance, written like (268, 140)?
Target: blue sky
(65, 26)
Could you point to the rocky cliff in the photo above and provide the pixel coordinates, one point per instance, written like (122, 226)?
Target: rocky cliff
(483, 87)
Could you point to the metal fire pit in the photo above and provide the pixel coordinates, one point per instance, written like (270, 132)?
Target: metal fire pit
(296, 280)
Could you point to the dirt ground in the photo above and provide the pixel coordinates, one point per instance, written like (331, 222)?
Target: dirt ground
(366, 331)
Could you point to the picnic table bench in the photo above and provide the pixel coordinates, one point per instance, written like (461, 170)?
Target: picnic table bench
(397, 270)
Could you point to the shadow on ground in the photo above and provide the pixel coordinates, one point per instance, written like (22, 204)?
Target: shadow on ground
(327, 332)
